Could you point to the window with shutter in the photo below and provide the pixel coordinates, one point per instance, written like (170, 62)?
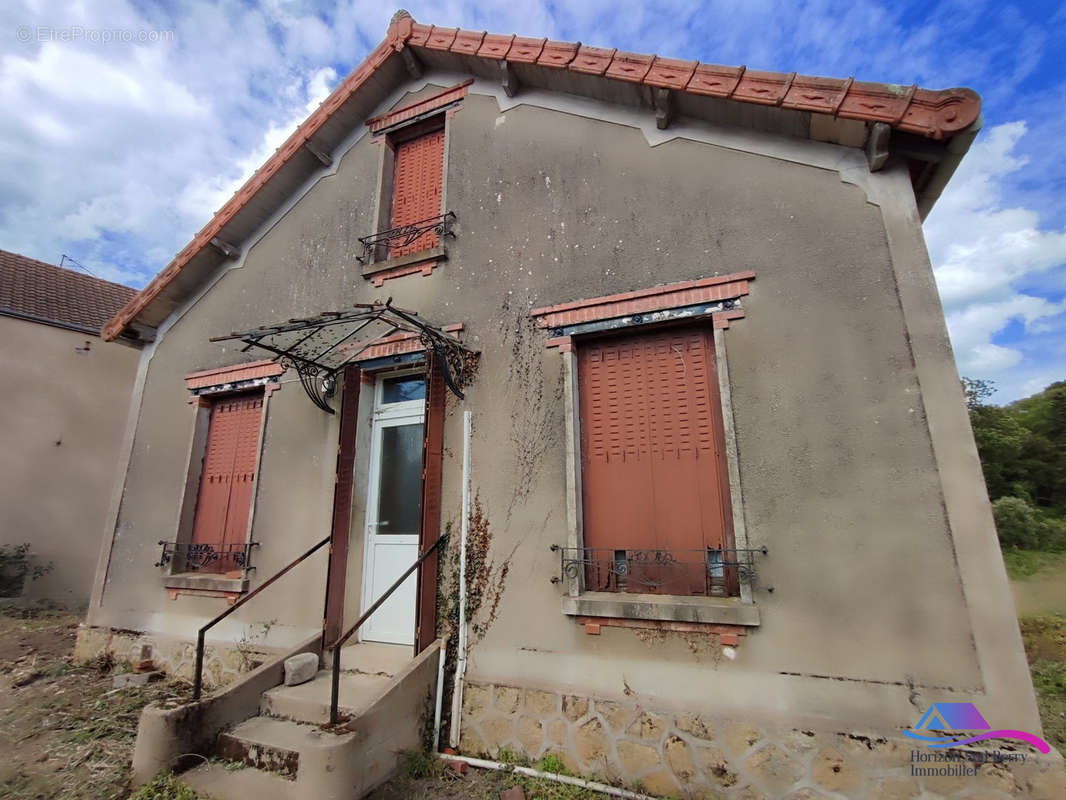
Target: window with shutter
(417, 188)
(225, 497)
(655, 504)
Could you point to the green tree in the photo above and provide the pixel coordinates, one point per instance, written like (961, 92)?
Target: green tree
(1016, 523)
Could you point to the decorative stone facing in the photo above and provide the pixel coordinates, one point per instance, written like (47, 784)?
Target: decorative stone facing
(694, 756)
(222, 665)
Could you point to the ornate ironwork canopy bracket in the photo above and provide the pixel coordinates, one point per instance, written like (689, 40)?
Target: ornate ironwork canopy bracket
(406, 234)
(317, 348)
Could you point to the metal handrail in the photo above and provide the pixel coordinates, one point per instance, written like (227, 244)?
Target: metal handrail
(197, 683)
(335, 690)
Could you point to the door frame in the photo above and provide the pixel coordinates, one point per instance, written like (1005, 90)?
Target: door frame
(385, 415)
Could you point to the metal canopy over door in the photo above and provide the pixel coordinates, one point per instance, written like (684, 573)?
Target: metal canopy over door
(225, 497)
(655, 487)
(394, 506)
(417, 186)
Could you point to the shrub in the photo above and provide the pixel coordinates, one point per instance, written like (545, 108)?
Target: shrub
(15, 565)
(1016, 523)
(1021, 525)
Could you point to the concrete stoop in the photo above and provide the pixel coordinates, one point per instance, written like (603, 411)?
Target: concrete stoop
(385, 695)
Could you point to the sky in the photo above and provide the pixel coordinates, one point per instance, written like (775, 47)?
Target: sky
(126, 125)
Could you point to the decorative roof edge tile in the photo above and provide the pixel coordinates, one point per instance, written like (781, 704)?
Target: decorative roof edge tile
(932, 114)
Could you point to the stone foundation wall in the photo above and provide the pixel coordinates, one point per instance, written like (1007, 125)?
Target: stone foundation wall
(176, 657)
(690, 756)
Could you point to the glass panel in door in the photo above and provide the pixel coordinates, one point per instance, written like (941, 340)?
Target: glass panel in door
(400, 480)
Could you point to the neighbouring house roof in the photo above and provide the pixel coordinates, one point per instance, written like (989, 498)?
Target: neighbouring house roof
(33, 290)
(932, 128)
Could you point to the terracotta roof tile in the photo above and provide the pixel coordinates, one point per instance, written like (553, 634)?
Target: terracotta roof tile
(32, 288)
(670, 73)
(592, 60)
(558, 54)
(468, 42)
(495, 46)
(631, 67)
(525, 49)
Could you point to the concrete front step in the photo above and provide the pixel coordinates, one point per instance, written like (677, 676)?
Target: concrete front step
(269, 744)
(215, 782)
(309, 702)
(373, 658)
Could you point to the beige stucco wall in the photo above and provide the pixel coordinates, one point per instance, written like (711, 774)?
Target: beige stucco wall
(62, 420)
(846, 421)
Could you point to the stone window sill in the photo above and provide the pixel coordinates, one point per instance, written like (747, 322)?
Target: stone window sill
(434, 254)
(669, 608)
(216, 582)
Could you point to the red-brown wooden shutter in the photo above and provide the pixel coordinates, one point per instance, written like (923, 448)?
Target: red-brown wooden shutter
(432, 458)
(417, 186)
(653, 464)
(337, 570)
(228, 476)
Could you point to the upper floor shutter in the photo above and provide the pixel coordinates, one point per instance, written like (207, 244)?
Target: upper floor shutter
(417, 188)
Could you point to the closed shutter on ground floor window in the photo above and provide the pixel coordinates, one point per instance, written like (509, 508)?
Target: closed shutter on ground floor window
(228, 475)
(653, 464)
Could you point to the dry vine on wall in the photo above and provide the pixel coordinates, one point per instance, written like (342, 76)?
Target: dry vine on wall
(535, 410)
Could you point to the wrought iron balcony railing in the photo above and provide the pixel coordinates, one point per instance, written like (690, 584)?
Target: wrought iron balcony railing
(201, 557)
(405, 235)
(710, 572)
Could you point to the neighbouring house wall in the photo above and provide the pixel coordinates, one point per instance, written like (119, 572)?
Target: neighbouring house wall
(876, 607)
(66, 396)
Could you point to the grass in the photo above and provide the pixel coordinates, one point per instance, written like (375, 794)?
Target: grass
(425, 776)
(68, 734)
(1024, 564)
(1045, 647)
(165, 787)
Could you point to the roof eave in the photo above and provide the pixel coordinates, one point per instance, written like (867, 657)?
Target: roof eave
(954, 151)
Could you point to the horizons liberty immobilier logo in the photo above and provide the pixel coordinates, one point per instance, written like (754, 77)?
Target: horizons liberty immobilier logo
(955, 722)
(965, 717)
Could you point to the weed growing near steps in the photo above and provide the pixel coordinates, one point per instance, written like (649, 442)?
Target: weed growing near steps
(165, 787)
(424, 775)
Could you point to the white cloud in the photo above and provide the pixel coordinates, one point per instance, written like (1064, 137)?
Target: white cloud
(982, 249)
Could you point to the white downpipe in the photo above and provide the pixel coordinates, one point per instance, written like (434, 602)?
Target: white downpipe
(464, 529)
(594, 786)
(440, 693)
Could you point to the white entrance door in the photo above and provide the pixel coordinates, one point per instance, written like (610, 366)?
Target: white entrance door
(394, 507)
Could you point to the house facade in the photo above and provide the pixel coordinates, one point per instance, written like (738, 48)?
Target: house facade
(67, 398)
(656, 344)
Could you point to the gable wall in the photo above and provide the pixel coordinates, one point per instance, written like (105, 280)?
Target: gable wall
(839, 474)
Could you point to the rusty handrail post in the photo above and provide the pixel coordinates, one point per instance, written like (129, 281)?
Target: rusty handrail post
(336, 677)
(197, 681)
